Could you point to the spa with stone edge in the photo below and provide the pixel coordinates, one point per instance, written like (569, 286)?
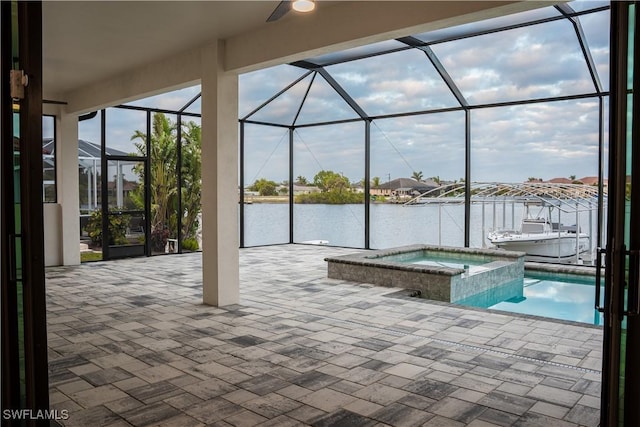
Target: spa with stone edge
(439, 272)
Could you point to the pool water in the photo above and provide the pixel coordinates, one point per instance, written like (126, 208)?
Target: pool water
(560, 297)
(436, 260)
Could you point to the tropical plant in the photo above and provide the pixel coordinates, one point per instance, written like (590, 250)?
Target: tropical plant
(190, 244)
(417, 175)
(164, 180)
(118, 224)
(375, 182)
(162, 170)
(191, 178)
(159, 239)
(301, 180)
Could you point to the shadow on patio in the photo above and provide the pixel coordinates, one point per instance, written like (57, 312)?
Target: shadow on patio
(130, 343)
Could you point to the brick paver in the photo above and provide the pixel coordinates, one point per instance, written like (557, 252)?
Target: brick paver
(130, 343)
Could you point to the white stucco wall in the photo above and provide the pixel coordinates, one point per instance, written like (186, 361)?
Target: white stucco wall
(52, 234)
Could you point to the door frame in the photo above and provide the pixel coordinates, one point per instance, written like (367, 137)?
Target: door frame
(621, 345)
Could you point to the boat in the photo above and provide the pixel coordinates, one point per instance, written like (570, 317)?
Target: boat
(541, 239)
(316, 242)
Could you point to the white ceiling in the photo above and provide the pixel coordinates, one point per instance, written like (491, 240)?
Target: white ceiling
(87, 41)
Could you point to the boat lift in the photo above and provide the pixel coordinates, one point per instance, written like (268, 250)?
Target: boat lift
(568, 199)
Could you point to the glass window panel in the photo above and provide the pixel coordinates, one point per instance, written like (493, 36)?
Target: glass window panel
(126, 132)
(89, 131)
(538, 61)
(48, 159)
(429, 148)
(90, 186)
(330, 207)
(394, 83)
(552, 142)
(258, 86)
(89, 165)
(357, 52)
(191, 184)
(596, 30)
(283, 109)
(487, 25)
(324, 104)
(582, 5)
(90, 193)
(125, 185)
(266, 177)
(173, 100)
(195, 107)
(125, 189)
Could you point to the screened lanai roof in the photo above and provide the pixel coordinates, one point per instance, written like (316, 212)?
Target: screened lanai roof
(553, 53)
(88, 152)
(86, 149)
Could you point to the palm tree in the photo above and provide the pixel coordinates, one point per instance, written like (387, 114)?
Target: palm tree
(162, 172)
(302, 180)
(417, 176)
(191, 177)
(375, 182)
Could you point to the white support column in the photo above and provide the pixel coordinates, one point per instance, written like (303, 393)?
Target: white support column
(220, 257)
(67, 185)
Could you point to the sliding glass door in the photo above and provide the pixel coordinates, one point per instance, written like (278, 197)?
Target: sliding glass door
(24, 336)
(620, 403)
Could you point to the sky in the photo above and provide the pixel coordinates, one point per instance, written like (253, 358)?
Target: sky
(509, 144)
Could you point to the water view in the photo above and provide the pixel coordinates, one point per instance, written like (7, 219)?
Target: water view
(391, 225)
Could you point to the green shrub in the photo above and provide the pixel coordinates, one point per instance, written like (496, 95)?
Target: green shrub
(331, 198)
(118, 224)
(190, 245)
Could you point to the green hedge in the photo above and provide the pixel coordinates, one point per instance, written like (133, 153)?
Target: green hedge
(331, 198)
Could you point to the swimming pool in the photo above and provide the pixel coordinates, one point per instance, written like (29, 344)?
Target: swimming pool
(438, 272)
(557, 296)
(484, 278)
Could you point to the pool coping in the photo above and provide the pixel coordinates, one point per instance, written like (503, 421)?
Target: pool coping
(373, 258)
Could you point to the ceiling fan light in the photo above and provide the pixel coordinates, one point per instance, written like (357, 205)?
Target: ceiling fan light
(303, 5)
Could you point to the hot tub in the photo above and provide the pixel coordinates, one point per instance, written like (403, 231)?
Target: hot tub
(439, 272)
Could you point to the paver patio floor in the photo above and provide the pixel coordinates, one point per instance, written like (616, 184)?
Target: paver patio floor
(130, 343)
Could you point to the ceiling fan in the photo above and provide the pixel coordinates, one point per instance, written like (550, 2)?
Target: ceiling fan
(286, 5)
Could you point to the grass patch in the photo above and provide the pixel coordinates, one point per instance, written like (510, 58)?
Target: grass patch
(90, 256)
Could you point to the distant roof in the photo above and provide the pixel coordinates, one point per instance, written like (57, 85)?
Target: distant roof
(590, 180)
(408, 183)
(560, 181)
(85, 149)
